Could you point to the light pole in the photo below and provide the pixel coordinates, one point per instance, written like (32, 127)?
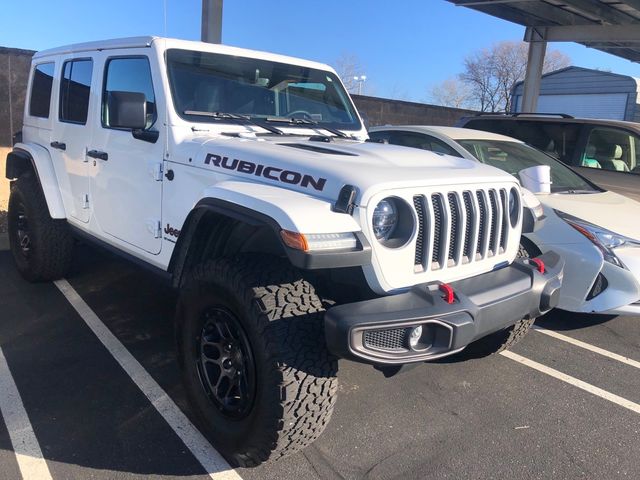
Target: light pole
(360, 79)
(211, 22)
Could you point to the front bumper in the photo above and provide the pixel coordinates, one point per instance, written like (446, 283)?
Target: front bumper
(377, 331)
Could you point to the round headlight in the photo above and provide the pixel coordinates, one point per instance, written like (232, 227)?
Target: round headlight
(385, 218)
(514, 206)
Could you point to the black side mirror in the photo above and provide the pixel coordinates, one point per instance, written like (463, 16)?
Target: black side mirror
(127, 110)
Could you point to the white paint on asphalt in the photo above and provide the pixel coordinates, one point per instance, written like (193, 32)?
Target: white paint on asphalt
(588, 346)
(215, 465)
(31, 463)
(587, 387)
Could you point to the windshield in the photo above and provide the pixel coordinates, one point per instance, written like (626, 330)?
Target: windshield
(203, 82)
(513, 157)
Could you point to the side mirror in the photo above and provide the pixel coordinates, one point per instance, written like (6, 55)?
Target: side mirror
(536, 179)
(127, 110)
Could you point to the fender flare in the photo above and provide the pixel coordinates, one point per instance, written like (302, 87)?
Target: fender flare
(25, 156)
(299, 259)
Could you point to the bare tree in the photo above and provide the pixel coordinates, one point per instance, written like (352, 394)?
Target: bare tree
(348, 66)
(452, 93)
(492, 73)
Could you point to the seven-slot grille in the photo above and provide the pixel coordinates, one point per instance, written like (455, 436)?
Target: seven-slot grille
(455, 228)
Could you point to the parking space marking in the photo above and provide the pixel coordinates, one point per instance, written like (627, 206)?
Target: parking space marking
(31, 462)
(587, 387)
(214, 464)
(588, 346)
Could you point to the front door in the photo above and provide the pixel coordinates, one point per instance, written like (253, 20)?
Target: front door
(126, 183)
(71, 132)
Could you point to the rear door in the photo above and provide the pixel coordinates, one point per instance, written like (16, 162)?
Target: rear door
(71, 131)
(126, 180)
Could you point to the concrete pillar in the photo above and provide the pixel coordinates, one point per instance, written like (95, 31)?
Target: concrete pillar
(535, 63)
(211, 28)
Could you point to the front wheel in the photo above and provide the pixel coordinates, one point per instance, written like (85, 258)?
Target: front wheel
(254, 359)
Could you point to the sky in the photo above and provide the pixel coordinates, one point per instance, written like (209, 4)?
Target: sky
(404, 47)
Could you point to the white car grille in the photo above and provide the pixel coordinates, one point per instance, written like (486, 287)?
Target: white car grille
(460, 231)
(457, 227)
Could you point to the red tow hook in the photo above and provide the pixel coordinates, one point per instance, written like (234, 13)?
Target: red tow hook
(448, 296)
(538, 263)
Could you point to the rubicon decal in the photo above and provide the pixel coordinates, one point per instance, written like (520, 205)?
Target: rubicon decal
(272, 173)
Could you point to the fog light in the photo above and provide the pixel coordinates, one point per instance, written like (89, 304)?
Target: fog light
(414, 336)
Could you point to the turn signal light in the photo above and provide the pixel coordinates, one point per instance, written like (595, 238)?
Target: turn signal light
(294, 240)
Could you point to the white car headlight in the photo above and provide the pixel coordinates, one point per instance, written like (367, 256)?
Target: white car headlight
(604, 239)
(385, 218)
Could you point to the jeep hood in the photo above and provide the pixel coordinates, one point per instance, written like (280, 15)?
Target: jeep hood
(607, 209)
(370, 167)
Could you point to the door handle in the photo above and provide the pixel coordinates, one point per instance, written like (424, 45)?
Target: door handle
(59, 145)
(98, 154)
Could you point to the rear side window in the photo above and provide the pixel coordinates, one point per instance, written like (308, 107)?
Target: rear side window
(131, 74)
(612, 149)
(74, 90)
(41, 90)
(557, 139)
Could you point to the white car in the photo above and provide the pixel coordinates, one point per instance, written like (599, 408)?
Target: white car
(601, 251)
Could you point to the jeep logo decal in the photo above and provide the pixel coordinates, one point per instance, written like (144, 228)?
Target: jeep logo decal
(169, 230)
(272, 173)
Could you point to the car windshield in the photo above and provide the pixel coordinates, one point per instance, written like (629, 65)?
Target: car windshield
(203, 83)
(513, 157)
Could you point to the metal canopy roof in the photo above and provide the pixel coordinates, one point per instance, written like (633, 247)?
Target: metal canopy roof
(612, 26)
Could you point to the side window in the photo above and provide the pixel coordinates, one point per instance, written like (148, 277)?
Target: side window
(382, 137)
(611, 149)
(131, 74)
(420, 140)
(74, 90)
(41, 90)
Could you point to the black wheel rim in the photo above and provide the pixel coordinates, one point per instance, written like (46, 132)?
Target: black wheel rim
(21, 230)
(225, 363)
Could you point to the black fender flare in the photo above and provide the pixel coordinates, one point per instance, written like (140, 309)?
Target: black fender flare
(299, 259)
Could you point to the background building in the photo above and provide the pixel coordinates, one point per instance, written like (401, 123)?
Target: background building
(587, 93)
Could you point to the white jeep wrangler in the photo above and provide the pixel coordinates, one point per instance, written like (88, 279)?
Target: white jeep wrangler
(247, 179)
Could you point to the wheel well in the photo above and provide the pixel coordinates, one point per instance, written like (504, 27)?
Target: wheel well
(18, 162)
(208, 234)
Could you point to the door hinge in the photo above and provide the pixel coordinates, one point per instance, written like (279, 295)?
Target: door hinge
(85, 201)
(158, 229)
(158, 170)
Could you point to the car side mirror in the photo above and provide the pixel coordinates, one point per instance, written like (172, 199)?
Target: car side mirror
(127, 110)
(536, 179)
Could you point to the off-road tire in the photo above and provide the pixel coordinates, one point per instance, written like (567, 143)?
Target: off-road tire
(504, 339)
(51, 251)
(282, 318)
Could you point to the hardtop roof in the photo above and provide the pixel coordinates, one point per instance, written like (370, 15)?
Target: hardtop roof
(148, 41)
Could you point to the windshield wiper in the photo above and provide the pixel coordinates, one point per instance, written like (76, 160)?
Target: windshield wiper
(306, 121)
(243, 119)
(575, 192)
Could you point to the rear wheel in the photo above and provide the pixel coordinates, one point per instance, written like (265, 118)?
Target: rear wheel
(42, 247)
(255, 363)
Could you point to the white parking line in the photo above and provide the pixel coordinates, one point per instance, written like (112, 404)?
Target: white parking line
(588, 346)
(587, 387)
(25, 445)
(215, 465)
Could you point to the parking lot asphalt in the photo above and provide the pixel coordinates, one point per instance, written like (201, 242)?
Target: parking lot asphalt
(576, 414)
